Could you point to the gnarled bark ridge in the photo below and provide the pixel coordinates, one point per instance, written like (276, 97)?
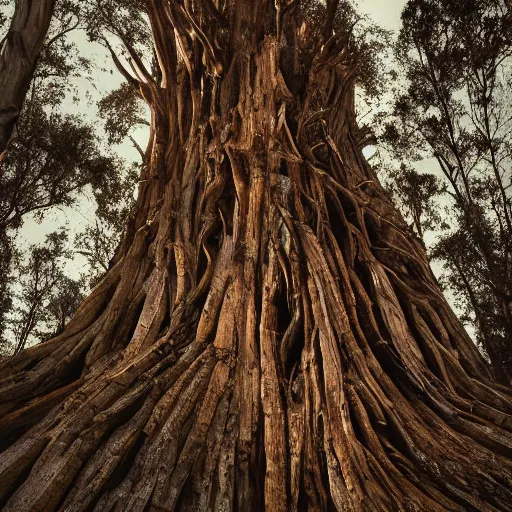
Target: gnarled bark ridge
(270, 335)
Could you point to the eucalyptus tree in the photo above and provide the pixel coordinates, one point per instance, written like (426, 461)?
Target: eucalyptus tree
(54, 158)
(19, 52)
(269, 335)
(456, 108)
(45, 296)
(418, 194)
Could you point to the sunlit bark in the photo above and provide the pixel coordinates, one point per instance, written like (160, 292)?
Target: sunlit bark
(270, 335)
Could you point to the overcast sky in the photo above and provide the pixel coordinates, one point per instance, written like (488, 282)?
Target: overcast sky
(385, 12)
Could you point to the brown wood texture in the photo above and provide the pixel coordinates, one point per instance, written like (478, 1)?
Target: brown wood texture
(270, 336)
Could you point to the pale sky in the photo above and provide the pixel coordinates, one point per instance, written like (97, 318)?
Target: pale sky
(384, 12)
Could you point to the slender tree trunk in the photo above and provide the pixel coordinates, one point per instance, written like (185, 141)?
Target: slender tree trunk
(270, 335)
(18, 57)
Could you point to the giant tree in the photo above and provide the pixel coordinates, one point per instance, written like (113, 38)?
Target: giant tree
(269, 335)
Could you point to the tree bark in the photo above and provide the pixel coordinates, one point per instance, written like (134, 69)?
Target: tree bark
(270, 335)
(18, 57)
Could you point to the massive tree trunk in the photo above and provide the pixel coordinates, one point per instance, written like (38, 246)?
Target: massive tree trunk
(18, 57)
(270, 335)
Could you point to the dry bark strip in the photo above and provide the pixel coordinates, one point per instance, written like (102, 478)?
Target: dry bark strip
(271, 336)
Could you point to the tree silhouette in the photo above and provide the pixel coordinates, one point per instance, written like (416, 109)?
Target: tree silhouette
(456, 108)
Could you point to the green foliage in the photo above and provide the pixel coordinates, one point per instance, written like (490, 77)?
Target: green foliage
(123, 18)
(99, 241)
(366, 43)
(6, 278)
(52, 157)
(418, 193)
(98, 244)
(4, 15)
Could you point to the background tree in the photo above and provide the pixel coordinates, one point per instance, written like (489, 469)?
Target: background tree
(418, 194)
(19, 53)
(53, 160)
(46, 297)
(99, 241)
(123, 110)
(456, 108)
(6, 249)
(269, 335)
